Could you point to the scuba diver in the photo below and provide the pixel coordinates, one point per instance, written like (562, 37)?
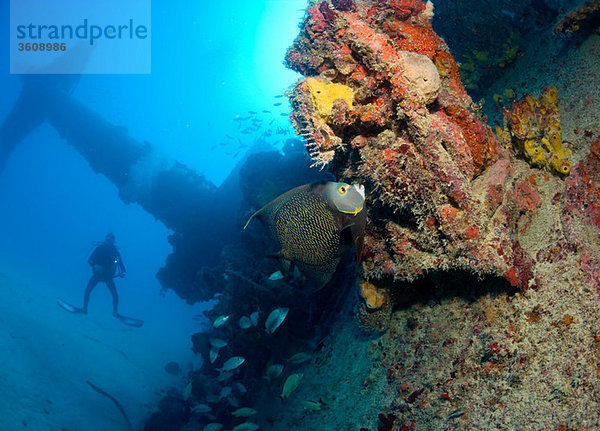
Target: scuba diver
(106, 263)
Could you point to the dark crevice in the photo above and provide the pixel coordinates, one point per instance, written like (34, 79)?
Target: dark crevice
(436, 287)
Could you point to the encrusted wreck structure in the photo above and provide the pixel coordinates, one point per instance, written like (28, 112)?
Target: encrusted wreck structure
(458, 214)
(383, 105)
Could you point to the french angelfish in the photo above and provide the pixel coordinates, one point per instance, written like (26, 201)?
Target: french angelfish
(314, 225)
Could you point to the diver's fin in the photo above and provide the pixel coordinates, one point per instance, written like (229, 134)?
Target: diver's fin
(137, 323)
(70, 308)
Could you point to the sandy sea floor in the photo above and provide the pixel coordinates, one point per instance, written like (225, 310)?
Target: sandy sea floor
(49, 354)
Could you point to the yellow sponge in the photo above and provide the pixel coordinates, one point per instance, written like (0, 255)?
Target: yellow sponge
(324, 95)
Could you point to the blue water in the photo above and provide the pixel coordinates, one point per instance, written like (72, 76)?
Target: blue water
(211, 62)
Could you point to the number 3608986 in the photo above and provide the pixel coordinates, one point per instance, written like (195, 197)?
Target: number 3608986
(41, 46)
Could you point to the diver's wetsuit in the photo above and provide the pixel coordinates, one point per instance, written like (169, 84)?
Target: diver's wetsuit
(104, 261)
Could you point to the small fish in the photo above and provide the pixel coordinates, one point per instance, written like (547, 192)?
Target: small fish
(244, 412)
(229, 137)
(213, 426)
(217, 343)
(277, 275)
(313, 405)
(213, 147)
(245, 322)
(224, 376)
(283, 114)
(266, 111)
(273, 371)
(455, 414)
(254, 318)
(298, 358)
(291, 383)
(233, 402)
(220, 321)
(232, 363)
(245, 118)
(279, 96)
(252, 112)
(225, 392)
(246, 426)
(240, 388)
(213, 354)
(277, 104)
(221, 144)
(275, 319)
(201, 408)
(187, 391)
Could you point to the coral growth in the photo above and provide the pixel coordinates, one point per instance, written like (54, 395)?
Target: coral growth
(373, 311)
(448, 206)
(532, 126)
(387, 422)
(324, 95)
(439, 180)
(580, 213)
(578, 18)
(374, 298)
(500, 53)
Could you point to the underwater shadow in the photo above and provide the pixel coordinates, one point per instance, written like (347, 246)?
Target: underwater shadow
(435, 288)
